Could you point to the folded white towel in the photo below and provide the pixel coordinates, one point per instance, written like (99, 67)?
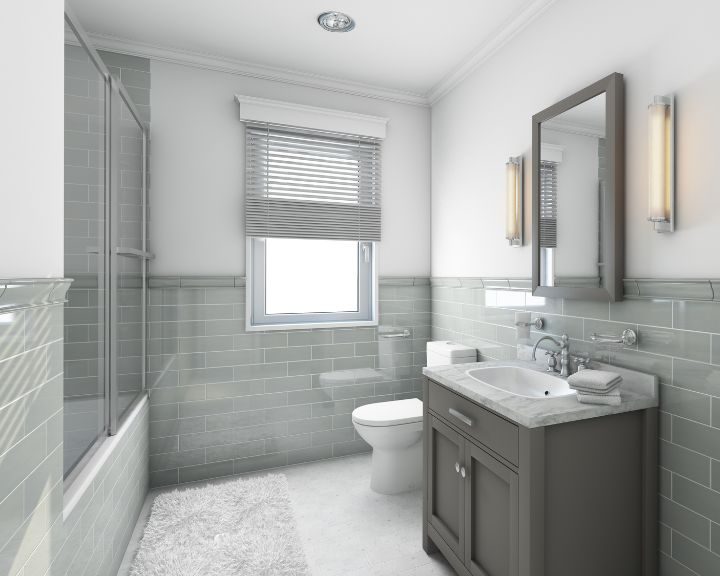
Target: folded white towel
(612, 399)
(597, 380)
(585, 390)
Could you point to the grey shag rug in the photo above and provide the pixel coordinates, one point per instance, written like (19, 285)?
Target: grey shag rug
(241, 528)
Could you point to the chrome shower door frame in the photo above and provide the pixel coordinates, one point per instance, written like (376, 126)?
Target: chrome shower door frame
(118, 98)
(115, 96)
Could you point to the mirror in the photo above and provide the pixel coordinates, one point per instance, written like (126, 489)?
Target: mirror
(578, 206)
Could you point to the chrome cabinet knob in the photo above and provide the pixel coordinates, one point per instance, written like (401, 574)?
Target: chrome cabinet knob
(462, 471)
(457, 466)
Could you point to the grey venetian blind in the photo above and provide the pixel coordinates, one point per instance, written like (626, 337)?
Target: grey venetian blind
(548, 204)
(305, 184)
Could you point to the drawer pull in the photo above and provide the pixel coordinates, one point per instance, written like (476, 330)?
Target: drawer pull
(460, 416)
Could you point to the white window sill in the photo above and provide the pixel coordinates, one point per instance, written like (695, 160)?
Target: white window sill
(309, 326)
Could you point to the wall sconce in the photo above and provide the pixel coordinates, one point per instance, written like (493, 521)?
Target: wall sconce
(661, 161)
(514, 192)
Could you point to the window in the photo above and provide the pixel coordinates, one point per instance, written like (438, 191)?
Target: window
(312, 217)
(548, 220)
(300, 281)
(548, 204)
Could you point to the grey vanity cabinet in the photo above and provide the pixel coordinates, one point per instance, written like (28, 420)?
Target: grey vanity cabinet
(446, 486)
(472, 502)
(491, 521)
(568, 499)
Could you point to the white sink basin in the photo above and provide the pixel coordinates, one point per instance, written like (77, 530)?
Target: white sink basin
(521, 381)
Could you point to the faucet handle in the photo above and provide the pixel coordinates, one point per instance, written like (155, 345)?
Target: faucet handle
(581, 362)
(551, 360)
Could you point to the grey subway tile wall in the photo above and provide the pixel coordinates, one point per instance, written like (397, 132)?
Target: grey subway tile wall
(226, 401)
(678, 341)
(35, 538)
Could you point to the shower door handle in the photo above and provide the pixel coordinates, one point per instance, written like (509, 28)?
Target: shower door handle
(134, 252)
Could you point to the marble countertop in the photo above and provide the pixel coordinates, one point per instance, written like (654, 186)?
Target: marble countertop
(638, 392)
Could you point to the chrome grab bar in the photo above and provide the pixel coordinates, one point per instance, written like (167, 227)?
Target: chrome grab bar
(404, 334)
(628, 338)
(460, 416)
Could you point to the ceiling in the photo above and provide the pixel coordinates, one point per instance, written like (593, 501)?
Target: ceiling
(400, 45)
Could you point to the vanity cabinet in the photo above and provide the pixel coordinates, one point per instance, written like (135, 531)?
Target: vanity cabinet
(472, 502)
(491, 522)
(575, 498)
(446, 493)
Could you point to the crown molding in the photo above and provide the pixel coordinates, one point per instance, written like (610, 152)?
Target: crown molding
(481, 54)
(578, 128)
(242, 68)
(275, 74)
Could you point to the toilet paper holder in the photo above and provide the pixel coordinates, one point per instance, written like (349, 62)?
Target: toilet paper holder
(404, 334)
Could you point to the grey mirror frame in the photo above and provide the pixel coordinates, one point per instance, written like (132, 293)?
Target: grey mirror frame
(614, 227)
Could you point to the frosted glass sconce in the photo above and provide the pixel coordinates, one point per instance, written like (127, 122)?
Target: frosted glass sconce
(514, 207)
(661, 161)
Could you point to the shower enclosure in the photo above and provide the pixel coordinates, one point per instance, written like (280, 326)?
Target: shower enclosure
(105, 250)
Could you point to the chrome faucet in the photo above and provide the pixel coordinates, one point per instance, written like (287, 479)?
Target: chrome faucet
(564, 346)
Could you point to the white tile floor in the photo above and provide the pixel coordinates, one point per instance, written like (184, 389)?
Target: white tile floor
(346, 529)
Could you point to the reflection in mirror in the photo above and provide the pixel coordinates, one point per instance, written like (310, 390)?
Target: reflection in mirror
(572, 187)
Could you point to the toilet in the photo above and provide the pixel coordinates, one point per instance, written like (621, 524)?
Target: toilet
(394, 429)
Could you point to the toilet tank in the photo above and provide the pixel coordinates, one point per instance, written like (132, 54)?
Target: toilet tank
(443, 352)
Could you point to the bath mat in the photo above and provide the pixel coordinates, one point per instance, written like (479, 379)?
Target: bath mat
(240, 528)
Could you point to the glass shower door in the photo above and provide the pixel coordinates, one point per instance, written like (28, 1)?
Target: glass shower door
(129, 257)
(86, 191)
(105, 251)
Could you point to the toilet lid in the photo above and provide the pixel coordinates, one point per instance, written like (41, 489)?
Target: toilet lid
(389, 413)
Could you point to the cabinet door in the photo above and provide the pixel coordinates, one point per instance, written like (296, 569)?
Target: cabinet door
(446, 494)
(491, 519)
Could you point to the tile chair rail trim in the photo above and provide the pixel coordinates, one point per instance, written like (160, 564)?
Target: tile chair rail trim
(645, 288)
(22, 293)
(239, 281)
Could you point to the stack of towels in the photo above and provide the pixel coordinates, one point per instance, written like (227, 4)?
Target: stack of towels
(596, 387)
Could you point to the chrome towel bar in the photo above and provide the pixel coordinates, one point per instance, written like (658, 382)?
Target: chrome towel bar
(628, 338)
(538, 324)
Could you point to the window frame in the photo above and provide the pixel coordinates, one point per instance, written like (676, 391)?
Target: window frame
(257, 320)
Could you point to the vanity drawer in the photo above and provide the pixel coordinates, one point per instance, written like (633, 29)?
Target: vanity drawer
(487, 428)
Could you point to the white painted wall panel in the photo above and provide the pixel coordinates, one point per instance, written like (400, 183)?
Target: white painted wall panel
(197, 175)
(31, 172)
(661, 47)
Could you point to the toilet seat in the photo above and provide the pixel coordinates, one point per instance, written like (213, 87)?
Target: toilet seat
(391, 413)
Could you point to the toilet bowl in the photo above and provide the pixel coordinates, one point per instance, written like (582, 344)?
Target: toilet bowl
(394, 430)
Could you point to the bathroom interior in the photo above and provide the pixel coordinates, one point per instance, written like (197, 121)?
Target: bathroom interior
(370, 288)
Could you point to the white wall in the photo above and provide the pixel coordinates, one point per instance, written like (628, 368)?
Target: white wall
(661, 46)
(197, 174)
(31, 173)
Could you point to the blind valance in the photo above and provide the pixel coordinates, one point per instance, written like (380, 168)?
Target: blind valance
(301, 183)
